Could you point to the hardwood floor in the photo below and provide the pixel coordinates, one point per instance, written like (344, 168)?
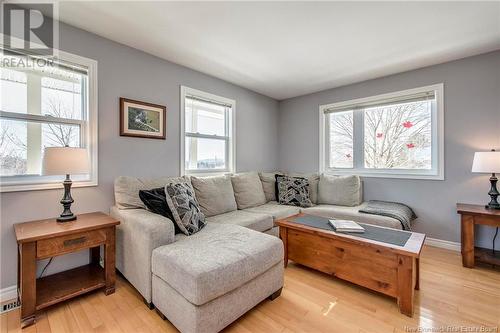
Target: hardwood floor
(449, 295)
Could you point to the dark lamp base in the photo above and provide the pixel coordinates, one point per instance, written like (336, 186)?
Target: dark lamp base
(66, 218)
(492, 207)
(493, 193)
(67, 215)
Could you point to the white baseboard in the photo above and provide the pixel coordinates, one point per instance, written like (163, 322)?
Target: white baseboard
(6, 294)
(444, 244)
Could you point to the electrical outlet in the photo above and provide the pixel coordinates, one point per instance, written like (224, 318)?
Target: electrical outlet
(10, 306)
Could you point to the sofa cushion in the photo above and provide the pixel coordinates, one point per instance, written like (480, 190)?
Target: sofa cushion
(184, 207)
(127, 189)
(313, 179)
(352, 213)
(248, 190)
(214, 194)
(339, 190)
(268, 180)
(293, 191)
(254, 221)
(215, 261)
(274, 209)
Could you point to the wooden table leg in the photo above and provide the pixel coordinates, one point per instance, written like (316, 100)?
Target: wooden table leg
(467, 222)
(109, 261)
(284, 238)
(417, 273)
(27, 279)
(406, 283)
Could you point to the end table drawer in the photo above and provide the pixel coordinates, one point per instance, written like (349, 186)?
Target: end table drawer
(65, 244)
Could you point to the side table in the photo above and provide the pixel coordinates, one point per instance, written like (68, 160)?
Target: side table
(470, 216)
(48, 238)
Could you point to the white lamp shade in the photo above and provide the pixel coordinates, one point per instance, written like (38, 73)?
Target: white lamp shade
(486, 162)
(65, 161)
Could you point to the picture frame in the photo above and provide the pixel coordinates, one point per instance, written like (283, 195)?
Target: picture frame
(142, 120)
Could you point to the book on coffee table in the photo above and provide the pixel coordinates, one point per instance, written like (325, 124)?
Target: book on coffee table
(346, 226)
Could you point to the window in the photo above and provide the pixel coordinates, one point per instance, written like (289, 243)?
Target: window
(397, 135)
(207, 136)
(45, 103)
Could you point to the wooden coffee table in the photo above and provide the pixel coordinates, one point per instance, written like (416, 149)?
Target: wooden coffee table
(390, 269)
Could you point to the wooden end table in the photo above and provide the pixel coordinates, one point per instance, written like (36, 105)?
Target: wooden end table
(49, 238)
(470, 216)
(389, 269)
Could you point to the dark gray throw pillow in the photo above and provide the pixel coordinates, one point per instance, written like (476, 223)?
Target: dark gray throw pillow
(156, 201)
(185, 208)
(293, 191)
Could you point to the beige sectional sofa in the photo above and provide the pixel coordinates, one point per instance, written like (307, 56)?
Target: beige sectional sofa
(241, 212)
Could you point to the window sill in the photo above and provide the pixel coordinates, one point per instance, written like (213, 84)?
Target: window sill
(206, 173)
(44, 186)
(394, 175)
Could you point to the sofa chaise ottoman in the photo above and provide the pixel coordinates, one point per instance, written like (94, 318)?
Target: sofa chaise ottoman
(204, 282)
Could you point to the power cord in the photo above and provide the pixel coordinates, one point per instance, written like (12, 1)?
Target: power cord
(47, 265)
(494, 238)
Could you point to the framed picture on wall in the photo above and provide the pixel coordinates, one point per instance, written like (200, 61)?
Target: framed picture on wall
(142, 120)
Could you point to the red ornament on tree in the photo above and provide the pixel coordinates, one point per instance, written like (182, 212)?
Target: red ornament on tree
(410, 145)
(379, 135)
(407, 124)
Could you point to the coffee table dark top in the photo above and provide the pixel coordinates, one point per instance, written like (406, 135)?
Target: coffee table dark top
(401, 241)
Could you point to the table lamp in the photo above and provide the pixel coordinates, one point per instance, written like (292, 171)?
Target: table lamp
(65, 161)
(489, 162)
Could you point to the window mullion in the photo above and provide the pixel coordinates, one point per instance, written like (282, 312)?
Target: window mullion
(206, 136)
(40, 118)
(84, 128)
(34, 130)
(358, 139)
(327, 147)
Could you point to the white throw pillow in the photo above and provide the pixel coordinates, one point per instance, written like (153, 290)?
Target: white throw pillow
(248, 190)
(341, 190)
(215, 195)
(268, 180)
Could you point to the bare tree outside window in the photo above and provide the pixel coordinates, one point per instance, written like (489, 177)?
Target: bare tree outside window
(341, 139)
(60, 135)
(398, 136)
(12, 150)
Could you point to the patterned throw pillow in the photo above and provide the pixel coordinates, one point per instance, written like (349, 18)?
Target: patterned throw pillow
(293, 191)
(156, 201)
(185, 209)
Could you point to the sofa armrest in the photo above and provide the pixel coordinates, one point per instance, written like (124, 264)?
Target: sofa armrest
(139, 233)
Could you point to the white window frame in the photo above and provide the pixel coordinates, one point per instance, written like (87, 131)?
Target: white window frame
(437, 173)
(89, 134)
(231, 131)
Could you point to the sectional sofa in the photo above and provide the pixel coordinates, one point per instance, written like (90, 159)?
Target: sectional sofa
(241, 261)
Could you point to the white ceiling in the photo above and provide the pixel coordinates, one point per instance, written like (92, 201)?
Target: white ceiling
(286, 49)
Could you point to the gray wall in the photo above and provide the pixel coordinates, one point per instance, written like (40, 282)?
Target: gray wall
(123, 71)
(472, 123)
